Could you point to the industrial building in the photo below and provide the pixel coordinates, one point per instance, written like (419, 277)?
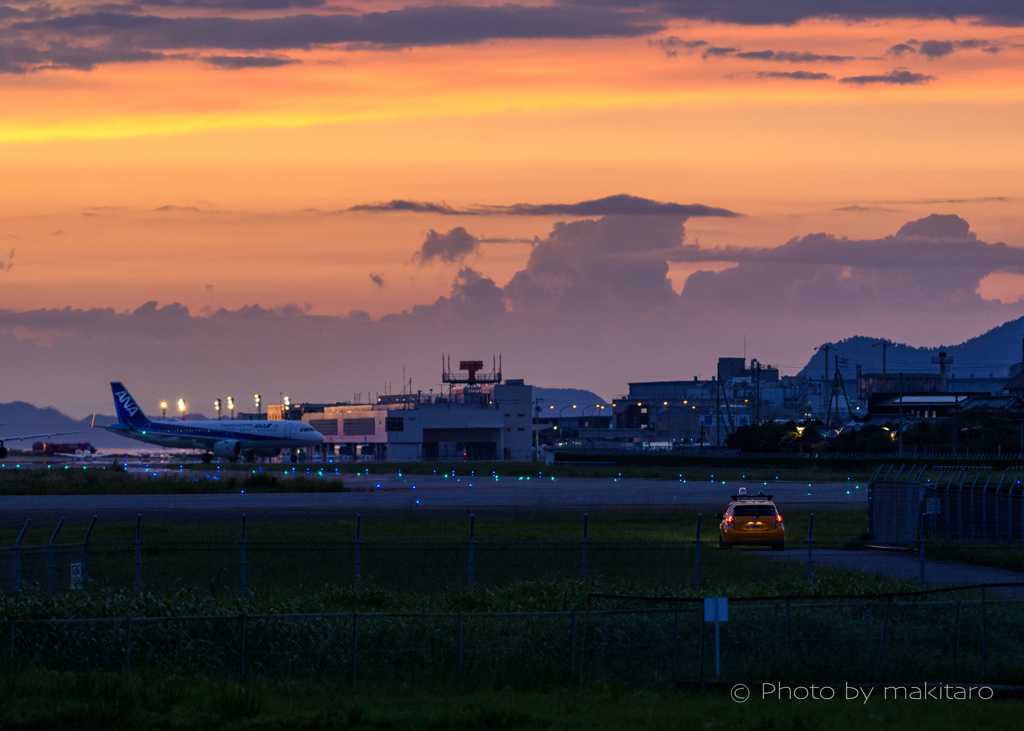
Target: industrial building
(481, 417)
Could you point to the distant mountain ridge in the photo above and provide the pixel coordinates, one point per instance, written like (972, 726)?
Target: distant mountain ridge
(19, 417)
(993, 352)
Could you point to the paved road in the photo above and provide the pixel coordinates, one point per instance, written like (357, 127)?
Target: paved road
(394, 494)
(899, 565)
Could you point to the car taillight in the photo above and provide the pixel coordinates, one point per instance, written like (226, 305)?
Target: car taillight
(778, 518)
(729, 520)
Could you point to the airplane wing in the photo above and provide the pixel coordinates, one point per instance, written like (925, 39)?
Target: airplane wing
(21, 437)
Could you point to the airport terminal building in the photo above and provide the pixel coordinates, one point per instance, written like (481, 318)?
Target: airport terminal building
(492, 422)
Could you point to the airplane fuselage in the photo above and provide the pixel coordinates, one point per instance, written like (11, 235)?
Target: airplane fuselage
(256, 436)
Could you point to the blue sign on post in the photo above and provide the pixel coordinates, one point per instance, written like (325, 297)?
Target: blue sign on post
(716, 609)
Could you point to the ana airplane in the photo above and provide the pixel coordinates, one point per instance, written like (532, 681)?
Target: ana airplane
(229, 439)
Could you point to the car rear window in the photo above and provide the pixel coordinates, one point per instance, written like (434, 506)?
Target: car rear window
(753, 511)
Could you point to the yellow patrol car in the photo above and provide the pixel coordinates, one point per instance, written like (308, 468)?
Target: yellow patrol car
(751, 520)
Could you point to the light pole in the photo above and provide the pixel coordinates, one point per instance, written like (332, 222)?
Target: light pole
(258, 401)
(163, 408)
(560, 414)
(231, 407)
(181, 408)
(216, 406)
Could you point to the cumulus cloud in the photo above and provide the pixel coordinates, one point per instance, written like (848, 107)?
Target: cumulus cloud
(594, 298)
(896, 76)
(450, 247)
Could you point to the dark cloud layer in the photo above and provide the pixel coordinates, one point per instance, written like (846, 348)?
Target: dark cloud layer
(759, 12)
(406, 27)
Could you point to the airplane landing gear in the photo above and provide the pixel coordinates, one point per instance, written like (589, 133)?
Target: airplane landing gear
(207, 458)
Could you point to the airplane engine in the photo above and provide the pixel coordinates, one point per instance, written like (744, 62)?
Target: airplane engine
(3, 451)
(228, 448)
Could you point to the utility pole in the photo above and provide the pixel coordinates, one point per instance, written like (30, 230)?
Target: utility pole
(943, 361)
(884, 344)
(899, 427)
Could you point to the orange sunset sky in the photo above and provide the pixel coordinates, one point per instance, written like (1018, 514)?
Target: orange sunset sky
(208, 153)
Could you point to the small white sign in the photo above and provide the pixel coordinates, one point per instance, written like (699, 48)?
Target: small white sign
(716, 609)
(933, 506)
(76, 576)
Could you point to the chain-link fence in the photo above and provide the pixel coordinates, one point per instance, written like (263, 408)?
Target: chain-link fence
(977, 504)
(230, 559)
(969, 637)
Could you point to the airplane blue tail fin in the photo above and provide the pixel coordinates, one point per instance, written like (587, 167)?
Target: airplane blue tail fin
(128, 411)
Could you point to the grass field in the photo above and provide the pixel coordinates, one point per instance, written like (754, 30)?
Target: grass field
(79, 480)
(138, 702)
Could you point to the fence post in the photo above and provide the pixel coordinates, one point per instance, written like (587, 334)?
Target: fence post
(138, 553)
(85, 563)
(460, 642)
(52, 537)
(128, 645)
(675, 644)
(359, 522)
(984, 637)
(584, 545)
(810, 556)
(17, 557)
(243, 554)
(355, 643)
(921, 548)
(242, 653)
(471, 520)
(572, 644)
(696, 545)
(956, 639)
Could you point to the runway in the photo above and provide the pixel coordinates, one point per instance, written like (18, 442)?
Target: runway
(395, 495)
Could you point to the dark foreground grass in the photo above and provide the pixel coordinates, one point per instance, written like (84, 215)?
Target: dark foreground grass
(115, 701)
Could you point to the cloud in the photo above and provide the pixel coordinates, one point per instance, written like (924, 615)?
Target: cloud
(411, 206)
(18, 57)
(718, 51)
(793, 57)
(248, 62)
(453, 246)
(594, 300)
(758, 12)
(377, 279)
(402, 28)
(620, 205)
(803, 75)
(900, 48)
(936, 49)
(895, 76)
(6, 266)
(672, 45)
(613, 205)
